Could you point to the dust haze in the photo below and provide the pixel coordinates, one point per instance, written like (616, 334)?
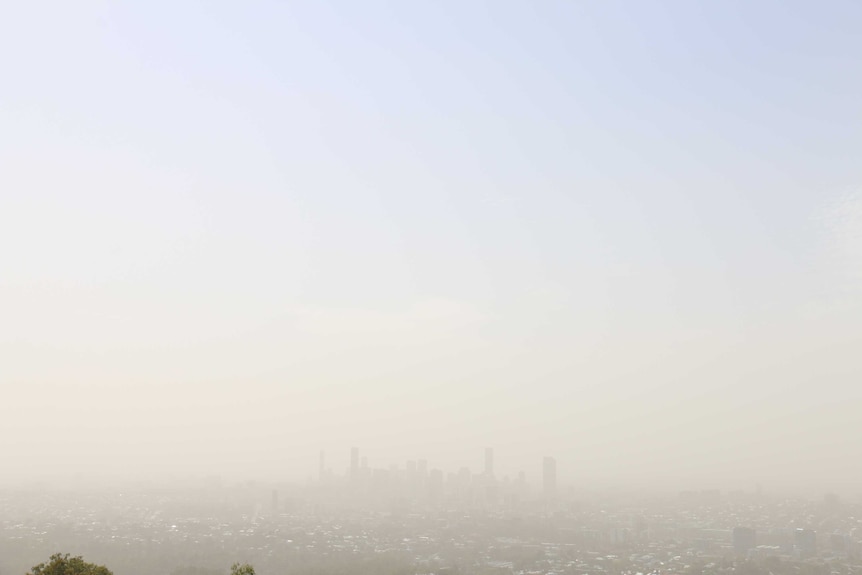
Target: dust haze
(284, 264)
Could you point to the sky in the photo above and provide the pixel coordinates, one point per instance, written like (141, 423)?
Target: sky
(624, 234)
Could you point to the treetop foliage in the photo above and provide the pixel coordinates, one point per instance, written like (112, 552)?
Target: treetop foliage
(64, 564)
(60, 564)
(244, 569)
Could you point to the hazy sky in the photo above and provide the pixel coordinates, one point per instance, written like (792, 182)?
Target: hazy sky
(626, 234)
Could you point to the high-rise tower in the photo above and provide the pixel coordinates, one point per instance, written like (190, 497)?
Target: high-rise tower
(354, 463)
(549, 477)
(321, 467)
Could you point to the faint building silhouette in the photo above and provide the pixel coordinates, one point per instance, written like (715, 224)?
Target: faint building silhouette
(549, 477)
(354, 463)
(435, 486)
(744, 539)
(805, 542)
(321, 467)
(489, 461)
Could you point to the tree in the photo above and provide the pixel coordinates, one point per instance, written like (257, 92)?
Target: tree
(60, 564)
(237, 569)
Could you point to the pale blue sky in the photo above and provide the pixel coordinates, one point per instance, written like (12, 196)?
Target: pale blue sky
(510, 223)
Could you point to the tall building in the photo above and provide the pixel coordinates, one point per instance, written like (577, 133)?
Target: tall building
(805, 542)
(354, 463)
(321, 467)
(549, 477)
(744, 539)
(435, 485)
(489, 461)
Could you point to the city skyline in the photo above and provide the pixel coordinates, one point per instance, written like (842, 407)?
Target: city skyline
(567, 287)
(418, 464)
(626, 235)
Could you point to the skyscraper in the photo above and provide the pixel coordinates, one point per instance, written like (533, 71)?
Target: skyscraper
(744, 539)
(489, 461)
(354, 463)
(549, 477)
(805, 541)
(321, 467)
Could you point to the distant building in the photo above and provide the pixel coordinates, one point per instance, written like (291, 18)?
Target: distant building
(704, 497)
(838, 542)
(321, 467)
(464, 476)
(380, 479)
(805, 542)
(489, 461)
(744, 539)
(549, 477)
(354, 463)
(435, 485)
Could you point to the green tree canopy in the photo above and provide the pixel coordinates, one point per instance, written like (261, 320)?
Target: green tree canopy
(60, 564)
(237, 569)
